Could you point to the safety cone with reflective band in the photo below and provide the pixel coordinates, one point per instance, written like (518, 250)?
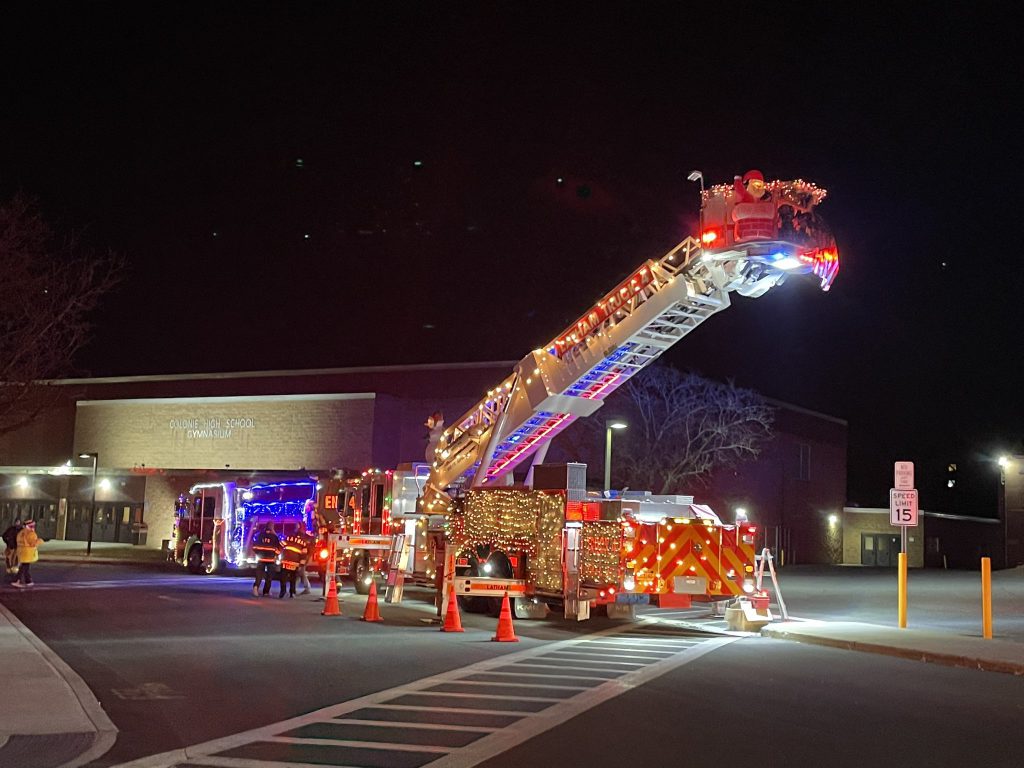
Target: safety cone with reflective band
(372, 612)
(506, 633)
(331, 605)
(452, 620)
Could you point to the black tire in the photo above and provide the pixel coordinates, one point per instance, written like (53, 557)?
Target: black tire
(194, 560)
(473, 604)
(501, 568)
(360, 570)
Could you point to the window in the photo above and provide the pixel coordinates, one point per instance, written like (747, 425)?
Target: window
(804, 470)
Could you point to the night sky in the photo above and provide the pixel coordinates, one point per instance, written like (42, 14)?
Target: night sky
(322, 185)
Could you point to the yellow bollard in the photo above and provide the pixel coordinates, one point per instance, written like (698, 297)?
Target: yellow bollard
(903, 590)
(986, 598)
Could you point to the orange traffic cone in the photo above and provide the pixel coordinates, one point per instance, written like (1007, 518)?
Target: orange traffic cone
(331, 605)
(452, 620)
(506, 633)
(372, 612)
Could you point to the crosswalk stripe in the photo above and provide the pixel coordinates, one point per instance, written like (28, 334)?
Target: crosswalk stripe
(407, 724)
(455, 710)
(380, 745)
(540, 674)
(458, 695)
(244, 762)
(520, 685)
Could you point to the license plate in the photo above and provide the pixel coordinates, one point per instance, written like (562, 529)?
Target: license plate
(631, 599)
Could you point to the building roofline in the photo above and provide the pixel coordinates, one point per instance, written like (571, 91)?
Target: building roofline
(280, 373)
(296, 373)
(925, 513)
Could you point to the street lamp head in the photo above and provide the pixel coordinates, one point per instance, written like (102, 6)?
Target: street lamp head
(616, 424)
(1004, 461)
(695, 176)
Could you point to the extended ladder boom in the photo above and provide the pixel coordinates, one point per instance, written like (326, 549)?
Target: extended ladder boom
(627, 330)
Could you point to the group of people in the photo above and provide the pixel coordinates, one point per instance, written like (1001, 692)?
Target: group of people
(288, 556)
(22, 544)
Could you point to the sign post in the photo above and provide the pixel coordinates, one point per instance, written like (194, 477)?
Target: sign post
(903, 511)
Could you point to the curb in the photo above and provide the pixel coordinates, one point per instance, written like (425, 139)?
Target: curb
(105, 730)
(911, 654)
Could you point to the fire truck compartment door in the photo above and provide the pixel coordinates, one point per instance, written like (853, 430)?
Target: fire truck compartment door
(690, 585)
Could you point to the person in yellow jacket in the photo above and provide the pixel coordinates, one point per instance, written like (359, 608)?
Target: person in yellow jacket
(28, 553)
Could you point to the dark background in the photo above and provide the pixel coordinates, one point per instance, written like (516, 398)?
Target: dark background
(257, 164)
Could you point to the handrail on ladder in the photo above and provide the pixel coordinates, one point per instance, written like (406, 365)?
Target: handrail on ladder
(766, 555)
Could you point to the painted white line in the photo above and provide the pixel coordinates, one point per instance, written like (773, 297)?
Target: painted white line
(653, 642)
(455, 710)
(572, 668)
(598, 653)
(405, 724)
(515, 734)
(384, 746)
(591, 658)
(541, 674)
(521, 685)
(499, 696)
(243, 762)
(656, 642)
(636, 653)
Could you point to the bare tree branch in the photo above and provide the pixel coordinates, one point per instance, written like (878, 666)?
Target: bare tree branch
(681, 428)
(48, 287)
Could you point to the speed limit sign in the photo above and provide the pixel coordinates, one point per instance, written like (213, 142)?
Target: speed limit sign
(903, 507)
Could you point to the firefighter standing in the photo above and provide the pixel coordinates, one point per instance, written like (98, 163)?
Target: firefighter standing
(303, 577)
(266, 546)
(293, 557)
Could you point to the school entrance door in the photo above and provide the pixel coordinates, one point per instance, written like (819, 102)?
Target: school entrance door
(879, 549)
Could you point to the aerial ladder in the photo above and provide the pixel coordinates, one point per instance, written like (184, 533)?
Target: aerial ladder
(747, 244)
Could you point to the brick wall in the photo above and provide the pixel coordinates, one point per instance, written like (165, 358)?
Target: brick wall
(287, 432)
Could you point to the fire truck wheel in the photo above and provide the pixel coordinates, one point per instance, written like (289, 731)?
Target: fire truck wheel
(361, 573)
(501, 568)
(194, 562)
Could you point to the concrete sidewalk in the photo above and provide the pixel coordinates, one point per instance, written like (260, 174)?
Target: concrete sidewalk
(59, 551)
(51, 718)
(917, 644)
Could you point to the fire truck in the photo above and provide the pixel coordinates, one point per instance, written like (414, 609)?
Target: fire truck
(214, 523)
(548, 542)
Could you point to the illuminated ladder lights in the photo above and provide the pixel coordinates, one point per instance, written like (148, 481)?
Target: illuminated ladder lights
(464, 447)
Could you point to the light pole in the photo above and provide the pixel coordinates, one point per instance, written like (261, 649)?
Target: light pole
(1004, 462)
(608, 427)
(92, 507)
(698, 176)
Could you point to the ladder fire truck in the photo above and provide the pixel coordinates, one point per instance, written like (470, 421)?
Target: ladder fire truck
(552, 543)
(548, 542)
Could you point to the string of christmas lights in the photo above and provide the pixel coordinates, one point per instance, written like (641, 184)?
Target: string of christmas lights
(601, 552)
(797, 192)
(544, 569)
(506, 519)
